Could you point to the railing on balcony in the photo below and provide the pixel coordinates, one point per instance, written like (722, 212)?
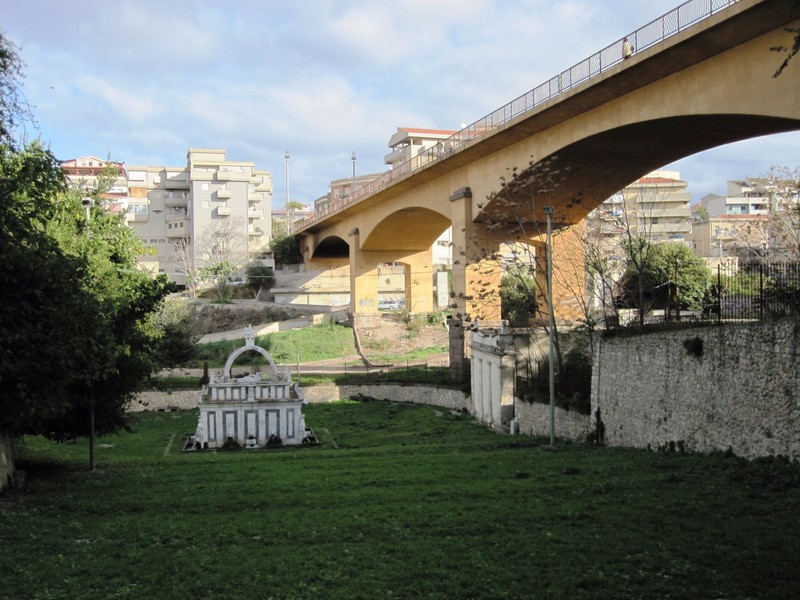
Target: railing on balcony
(255, 214)
(669, 24)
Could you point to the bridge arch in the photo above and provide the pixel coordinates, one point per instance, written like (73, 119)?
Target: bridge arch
(332, 247)
(413, 229)
(601, 164)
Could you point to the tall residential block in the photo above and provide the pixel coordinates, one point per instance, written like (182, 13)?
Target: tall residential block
(188, 215)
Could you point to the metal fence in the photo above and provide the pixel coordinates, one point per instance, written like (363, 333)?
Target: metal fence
(755, 292)
(669, 24)
(750, 292)
(738, 294)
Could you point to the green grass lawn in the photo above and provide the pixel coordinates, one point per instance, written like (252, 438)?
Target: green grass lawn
(398, 501)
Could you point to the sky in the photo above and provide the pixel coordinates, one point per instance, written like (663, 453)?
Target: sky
(142, 81)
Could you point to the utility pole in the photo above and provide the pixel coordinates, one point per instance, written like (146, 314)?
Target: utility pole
(286, 207)
(548, 210)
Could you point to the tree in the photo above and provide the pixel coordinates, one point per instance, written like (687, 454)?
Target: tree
(783, 189)
(260, 279)
(286, 250)
(511, 241)
(184, 260)
(789, 51)
(175, 340)
(673, 277)
(221, 251)
(14, 109)
(518, 299)
(74, 306)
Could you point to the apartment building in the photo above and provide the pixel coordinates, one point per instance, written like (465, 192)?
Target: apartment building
(742, 236)
(184, 215)
(744, 197)
(655, 207)
(408, 142)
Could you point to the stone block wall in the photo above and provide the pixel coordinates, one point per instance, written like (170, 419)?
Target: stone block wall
(734, 387)
(534, 419)
(154, 401)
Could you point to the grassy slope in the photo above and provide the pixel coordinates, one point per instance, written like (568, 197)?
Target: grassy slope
(398, 501)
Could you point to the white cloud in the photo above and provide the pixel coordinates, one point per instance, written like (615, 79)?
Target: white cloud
(147, 79)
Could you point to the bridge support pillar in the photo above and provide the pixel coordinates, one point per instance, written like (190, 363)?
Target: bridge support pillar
(476, 275)
(419, 281)
(569, 273)
(363, 285)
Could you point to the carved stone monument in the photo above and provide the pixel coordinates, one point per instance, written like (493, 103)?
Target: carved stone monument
(250, 411)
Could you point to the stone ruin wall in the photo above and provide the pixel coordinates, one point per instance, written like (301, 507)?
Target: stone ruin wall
(741, 392)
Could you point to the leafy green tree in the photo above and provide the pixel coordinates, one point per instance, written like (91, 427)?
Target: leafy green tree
(75, 308)
(518, 299)
(673, 277)
(260, 279)
(286, 250)
(175, 340)
(14, 109)
(219, 275)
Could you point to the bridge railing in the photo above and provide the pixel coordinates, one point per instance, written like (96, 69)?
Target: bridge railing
(676, 20)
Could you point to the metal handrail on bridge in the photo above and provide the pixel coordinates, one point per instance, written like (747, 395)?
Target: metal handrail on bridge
(675, 21)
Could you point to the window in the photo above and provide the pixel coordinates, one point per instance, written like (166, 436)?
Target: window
(205, 187)
(138, 209)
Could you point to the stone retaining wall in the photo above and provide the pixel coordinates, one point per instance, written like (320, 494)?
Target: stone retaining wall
(417, 394)
(534, 419)
(154, 400)
(734, 387)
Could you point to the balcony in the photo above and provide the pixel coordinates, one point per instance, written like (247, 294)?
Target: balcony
(202, 174)
(265, 186)
(224, 211)
(255, 231)
(232, 176)
(254, 198)
(178, 182)
(255, 213)
(683, 228)
(173, 216)
(177, 201)
(224, 194)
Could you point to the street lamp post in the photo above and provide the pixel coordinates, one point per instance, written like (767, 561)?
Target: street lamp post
(548, 210)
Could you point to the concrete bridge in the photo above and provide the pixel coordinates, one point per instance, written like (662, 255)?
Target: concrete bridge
(701, 76)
